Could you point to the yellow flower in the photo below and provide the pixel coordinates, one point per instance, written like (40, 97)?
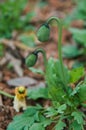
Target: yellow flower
(19, 99)
(20, 92)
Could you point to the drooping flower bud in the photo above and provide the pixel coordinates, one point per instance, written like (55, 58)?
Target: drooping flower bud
(43, 33)
(31, 59)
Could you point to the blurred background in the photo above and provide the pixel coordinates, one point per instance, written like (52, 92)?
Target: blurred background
(19, 22)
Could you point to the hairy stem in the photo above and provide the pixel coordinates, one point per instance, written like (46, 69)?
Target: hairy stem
(6, 94)
(59, 23)
(43, 53)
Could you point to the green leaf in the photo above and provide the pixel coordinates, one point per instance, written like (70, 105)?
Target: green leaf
(11, 13)
(77, 64)
(28, 40)
(75, 91)
(50, 111)
(62, 108)
(78, 116)
(47, 122)
(76, 74)
(82, 91)
(29, 16)
(55, 80)
(78, 13)
(26, 128)
(79, 35)
(32, 110)
(37, 126)
(54, 71)
(27, 119)
(21, 122)
(75, 126)
(60, 125)
(34, 70)
(71, 51)
(40, 92)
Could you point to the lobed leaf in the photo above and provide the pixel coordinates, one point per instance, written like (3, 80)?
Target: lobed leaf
(76, 74)
(78, 116)
(60, 125)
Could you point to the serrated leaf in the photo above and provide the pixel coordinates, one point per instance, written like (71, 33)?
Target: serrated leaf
(50, 111)
(26, 128)
(76, 74)
(62, 108)
(60, 125)
(78, 116)
(31, 110)
(82, 91)
(37, 126)
(47, 122)
(75, 91)
(20, 123)
(75, 126)
(25, 120)
(55, 79)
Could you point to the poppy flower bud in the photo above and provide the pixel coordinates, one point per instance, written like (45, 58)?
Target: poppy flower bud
(43, 33)
(31, 59)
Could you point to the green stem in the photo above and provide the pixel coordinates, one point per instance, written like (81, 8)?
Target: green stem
(59, 23)
(6, 94)
(44, 55)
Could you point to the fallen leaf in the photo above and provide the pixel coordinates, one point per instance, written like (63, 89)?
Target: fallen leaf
(24, 81)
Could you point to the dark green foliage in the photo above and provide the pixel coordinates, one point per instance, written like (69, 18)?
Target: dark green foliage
(60, 125)
(79, 35)
(11, 17)
(78, 50)
(79, 13)
(31, 119)
(82, 92)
